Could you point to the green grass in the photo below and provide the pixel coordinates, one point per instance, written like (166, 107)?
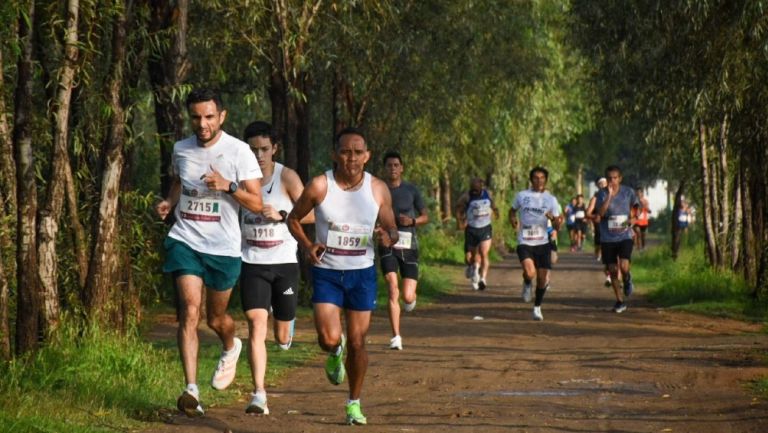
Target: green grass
(99, 382)
(690, 284)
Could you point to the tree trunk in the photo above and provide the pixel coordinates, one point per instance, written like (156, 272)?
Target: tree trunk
(445, 197)
(167, 71)
(104, 255)
(748, 236)
(737, 221)
(28, 302)
(303, 153)
(677, 207)
(724, 232)
(7, 163)
(706, 195)
(60, 171)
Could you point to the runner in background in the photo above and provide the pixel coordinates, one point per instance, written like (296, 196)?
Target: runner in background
(474, 212)
(538, 210)
(580, 222)
(641, 223)
(570, 222)
(270, 275)
(613, 207)
(410, 212)
(592, 217)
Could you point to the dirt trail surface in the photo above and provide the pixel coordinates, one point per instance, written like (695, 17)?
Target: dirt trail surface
(477, 362)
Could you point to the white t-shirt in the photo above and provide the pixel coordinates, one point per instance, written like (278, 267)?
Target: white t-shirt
(532, 208)
(207, 220)
(266, 242)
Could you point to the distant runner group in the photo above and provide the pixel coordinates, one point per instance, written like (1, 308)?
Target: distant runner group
(239, 215)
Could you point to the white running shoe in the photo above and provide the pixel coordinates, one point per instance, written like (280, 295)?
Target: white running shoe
(189, 403)
(537, 314)
(258, 404)
(475, 282)
(396, 343)
(287, 345)
(225, 370)
(527, 292)
(409, 307)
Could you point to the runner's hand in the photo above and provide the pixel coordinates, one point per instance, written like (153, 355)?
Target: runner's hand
(163, 208)
(270, 212)
(215, 181)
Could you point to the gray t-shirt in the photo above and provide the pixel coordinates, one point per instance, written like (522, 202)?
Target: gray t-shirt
(407, 200)
(614, 225)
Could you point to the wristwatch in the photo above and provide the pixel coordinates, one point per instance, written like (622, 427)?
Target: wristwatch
(232, 188)
(283, 215)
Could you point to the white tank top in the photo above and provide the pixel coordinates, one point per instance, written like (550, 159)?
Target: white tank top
(344, 222)
(266, 242)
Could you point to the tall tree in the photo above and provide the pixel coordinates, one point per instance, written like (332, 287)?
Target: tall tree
(28, 302)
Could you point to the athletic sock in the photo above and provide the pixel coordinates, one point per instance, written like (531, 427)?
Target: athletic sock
(353, 401)
(337, 352)
(539, 296)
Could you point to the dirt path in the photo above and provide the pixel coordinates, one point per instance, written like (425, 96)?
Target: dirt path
(584, 369)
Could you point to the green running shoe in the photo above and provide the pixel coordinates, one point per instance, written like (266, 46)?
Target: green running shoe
(355, 415)
(334, 365)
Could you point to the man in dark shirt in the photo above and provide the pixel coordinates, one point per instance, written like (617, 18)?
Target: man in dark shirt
(410, 212)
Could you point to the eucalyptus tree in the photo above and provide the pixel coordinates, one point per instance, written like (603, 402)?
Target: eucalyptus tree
(689, 69)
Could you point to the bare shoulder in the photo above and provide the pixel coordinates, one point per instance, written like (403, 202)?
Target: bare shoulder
(380, 189)
(289, 176)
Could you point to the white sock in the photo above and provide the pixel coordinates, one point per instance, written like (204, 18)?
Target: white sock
(192, 389)
(337, 352)
(353, 401)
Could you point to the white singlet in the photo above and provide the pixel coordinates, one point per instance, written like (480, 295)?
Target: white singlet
(344, 222)
(532, 207)
(207, 221)
(266, 242)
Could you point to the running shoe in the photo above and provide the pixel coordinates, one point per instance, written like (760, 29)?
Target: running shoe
(469, 271)
(619, 307)
(334, 365)
(225, 370)
(355, 414)
(189, 403)
(396, 343)
(527, 292)
(607, 281)
(481, 284)
(475, 280)
(409, 307)
(628, 286)
(258, 404)
(287, 345)
(537, 314)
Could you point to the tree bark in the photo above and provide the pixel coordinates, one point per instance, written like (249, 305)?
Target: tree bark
(677, 207)
(737, 222)
(7, 163)
(28, 302)
(445, 197)
(724, 230)
(706, 195)
(748, 237)
(103, 276)
(167, 71)
(50, 215)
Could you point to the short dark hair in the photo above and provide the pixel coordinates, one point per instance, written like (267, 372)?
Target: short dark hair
(204, 94)
(392, 154)
(539, 169)
(259, 128)
(611, 168)
(347, 131)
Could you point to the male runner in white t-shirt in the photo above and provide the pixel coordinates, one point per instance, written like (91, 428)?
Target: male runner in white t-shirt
(537, 209)
(213, 175)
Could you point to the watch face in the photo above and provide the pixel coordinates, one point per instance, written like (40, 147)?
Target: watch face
(232, 187)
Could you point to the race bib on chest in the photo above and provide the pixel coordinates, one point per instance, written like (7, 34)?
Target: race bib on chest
(618, 223)
(404, 241)
(534, 233)
(263, 235)
(481, 210)
(580, 214)
(206, 209)
(348, 239)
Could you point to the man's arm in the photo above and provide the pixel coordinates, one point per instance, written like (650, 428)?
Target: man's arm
(248, 193)
(294, 187)
(309, 198)
(387, 229)
(164, 206)
(512, 217)
(460, 209)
